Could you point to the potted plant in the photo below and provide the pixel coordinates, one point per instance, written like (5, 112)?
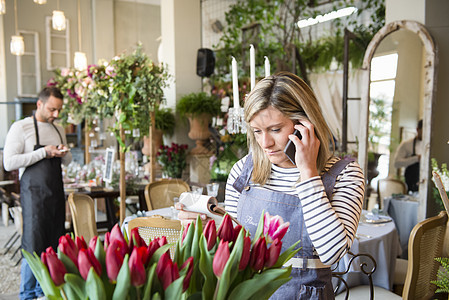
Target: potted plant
(198, 108)
(164, 124)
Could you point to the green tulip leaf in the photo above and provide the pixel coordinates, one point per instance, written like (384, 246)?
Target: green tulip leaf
(156, 296)
(269, 289)
(174, 290)
(195, 251)
(42, 275)
(286, 255)
(259, 230)
(68, 263)
(94, 286)
(69, 293)
(158, 253)
(205, 266)
(148, 286)
(188, 240)
(262, 281)
(123, 281)
(76, 284)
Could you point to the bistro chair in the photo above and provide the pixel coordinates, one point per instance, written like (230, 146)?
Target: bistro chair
(83, 215)
(387, 187)
(160, 194)
(157, 226)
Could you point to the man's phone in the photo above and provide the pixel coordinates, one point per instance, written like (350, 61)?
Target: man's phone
(64, 150)
(290, 149)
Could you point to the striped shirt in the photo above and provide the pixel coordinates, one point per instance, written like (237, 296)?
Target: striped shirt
(331, 224)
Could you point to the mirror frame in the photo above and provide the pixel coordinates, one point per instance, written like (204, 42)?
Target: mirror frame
(430, 69)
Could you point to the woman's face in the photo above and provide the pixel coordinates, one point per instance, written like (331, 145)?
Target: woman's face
(271, 129)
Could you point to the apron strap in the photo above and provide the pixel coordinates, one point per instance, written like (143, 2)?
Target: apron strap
(60, 137)
(330, 176)
(245, 176)
(37, 131)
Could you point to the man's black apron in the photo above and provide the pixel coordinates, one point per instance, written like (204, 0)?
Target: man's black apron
(43, 202)
(412, 173)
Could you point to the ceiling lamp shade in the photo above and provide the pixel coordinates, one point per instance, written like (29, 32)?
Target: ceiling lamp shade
(58, 20)
(40, 1)
(80, 61)
(2, 7)
(17, 45)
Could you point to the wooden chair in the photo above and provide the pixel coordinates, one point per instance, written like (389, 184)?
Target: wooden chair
(386, 187)
(160, 194)
(83, 215)
(157, 226)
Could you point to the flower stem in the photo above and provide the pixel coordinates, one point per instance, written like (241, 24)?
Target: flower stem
(216, 289)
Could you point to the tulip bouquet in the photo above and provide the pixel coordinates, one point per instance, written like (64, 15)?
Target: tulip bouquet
(207, 264)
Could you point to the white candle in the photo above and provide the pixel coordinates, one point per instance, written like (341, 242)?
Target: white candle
(235, 83)
(267, 67)
(252, 66)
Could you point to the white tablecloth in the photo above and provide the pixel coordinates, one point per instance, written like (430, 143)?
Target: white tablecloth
(382, 242)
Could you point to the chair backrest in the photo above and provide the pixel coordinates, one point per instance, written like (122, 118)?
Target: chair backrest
(157, 226)
(425, 244)
(386, 187)
(83, 215)
(160, 194)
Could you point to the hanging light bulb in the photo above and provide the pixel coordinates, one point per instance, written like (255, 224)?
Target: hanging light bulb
(17, 46)
(2, 7)
(58, 19)
(40, 1)
(80, 60)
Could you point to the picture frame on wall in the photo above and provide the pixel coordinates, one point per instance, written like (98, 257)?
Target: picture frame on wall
(109, 165)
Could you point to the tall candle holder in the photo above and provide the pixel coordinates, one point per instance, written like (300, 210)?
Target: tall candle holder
(236, 120)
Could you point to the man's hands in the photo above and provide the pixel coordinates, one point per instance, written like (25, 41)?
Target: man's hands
(56, 151)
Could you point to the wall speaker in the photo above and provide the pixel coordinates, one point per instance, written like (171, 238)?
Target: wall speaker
(205, 62)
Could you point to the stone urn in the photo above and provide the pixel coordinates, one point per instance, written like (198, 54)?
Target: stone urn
(199, 132)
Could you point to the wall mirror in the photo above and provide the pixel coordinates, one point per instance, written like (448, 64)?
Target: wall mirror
(399, 70)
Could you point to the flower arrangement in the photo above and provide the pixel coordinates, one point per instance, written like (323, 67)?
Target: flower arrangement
(172, 159)
(443, 172)
(208, 264)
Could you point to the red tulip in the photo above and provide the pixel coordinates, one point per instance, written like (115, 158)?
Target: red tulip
(135, 239)
(107, 236)
(166, 270)
(184, 233)
(273, 252)
(114, 259)
(226, 230)
(152, 247)
(80, 242)
(161, 240)
(246, 253)
(55, 267)
(93, 243)
(237, 231)
(210, 233)
(136, 267)
(257, 259)
(68, 247)
(116, 234)
(274, 227)
(221, 258)
(87, 260)
(189, 265)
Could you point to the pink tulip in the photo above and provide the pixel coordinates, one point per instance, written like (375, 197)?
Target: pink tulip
(246, 253)
(68, 247)
(210, 233)
(184, 233)
(166, 270)
(226, 230)
(55, 267)
(136, 267)
(257, 259)
(273, 252)
(107, 237)
(274, 227)
(221, 258)
(93, 243)
(114, 259)
(135, 239)
(189, 265)
(87, 260)
(80, 242)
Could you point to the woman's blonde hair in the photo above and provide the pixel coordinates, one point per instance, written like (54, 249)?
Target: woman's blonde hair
(295, 99)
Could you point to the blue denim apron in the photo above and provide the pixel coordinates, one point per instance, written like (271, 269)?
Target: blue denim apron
(306, 283)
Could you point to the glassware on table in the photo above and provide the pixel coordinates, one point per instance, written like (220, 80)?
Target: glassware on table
(174, 211)
(212, 189)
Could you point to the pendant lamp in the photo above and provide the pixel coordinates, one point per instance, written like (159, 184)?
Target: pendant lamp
(2, 7)
(17, 46)
(80, 60)
(58, 19)
(40, 1)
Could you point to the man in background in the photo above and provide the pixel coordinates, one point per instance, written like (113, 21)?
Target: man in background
(408, 156)
(36, 146)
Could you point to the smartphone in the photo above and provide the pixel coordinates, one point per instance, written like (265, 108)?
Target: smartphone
(290, 149)
(64, 150)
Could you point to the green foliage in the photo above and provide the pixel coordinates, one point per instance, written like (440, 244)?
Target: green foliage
(379, 123)
(194, 104)
(442, 281)
(165, 120)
